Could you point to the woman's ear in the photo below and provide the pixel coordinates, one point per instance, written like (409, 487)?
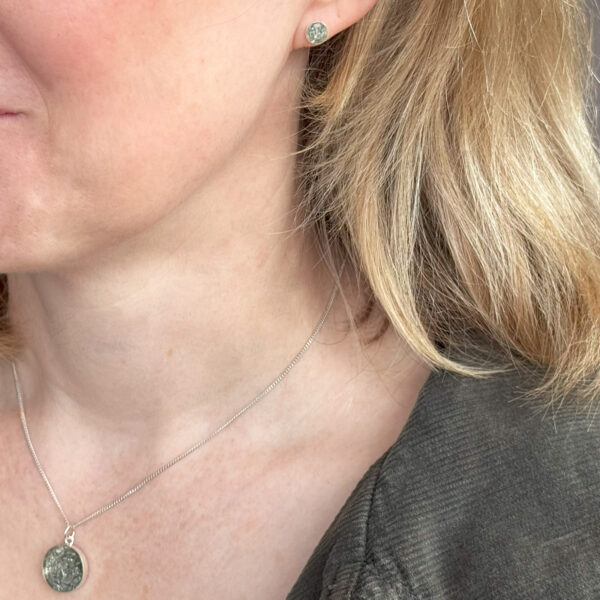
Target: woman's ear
(337, 15)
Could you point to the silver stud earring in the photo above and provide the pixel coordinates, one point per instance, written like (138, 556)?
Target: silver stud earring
(316, 33)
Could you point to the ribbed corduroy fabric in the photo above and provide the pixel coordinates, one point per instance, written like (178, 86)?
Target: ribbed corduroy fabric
(479, 498)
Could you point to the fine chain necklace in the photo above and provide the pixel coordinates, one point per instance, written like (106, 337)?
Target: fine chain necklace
(65, 567)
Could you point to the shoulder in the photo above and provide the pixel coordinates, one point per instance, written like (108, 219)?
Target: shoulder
(480, 496)
(482, 493)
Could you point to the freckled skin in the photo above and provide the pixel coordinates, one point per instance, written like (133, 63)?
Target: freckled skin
(131, 107)
(141, 113)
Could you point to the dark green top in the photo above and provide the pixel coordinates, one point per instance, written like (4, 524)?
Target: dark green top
(480, 497)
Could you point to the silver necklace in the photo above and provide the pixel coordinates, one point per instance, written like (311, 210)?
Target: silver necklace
(64, 567)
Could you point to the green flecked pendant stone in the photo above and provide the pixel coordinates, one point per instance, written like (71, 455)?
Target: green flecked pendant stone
(64, 568)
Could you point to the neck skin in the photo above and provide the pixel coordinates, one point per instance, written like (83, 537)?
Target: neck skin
(149, 346)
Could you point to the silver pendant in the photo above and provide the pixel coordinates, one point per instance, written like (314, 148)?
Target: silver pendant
(64, 567)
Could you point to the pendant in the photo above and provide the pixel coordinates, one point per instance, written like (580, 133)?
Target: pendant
(64, 567)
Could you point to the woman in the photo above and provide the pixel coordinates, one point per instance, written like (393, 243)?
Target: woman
(190, 192)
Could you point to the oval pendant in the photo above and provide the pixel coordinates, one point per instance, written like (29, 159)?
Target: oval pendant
(64, 568)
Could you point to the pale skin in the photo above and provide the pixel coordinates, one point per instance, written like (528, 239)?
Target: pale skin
(146, 226)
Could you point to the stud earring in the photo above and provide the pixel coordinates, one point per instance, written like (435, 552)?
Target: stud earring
(316, 33)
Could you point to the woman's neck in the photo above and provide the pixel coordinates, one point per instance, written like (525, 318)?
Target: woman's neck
(162, 338)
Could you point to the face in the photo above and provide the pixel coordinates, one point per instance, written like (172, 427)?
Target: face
(126, 108)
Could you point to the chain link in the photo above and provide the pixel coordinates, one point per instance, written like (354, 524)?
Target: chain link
(71, 528)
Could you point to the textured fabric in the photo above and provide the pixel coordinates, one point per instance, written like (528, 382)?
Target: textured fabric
(480, 497)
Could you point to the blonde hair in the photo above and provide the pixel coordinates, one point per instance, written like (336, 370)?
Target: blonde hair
(446, 152)
(446, 149)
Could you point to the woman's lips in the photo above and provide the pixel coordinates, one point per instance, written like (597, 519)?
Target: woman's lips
(5, 114)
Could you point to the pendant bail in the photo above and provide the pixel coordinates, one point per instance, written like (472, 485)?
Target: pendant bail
(70, 537)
